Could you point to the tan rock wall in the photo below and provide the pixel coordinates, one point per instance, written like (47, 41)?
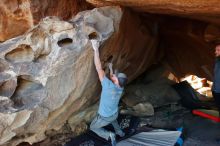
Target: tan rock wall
(64, 9)
(196, 9)
(17, 16)
(186, 49)
(48, 74)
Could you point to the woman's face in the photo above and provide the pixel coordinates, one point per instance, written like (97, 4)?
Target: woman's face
(217, 50)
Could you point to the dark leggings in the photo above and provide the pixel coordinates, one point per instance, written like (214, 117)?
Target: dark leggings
(217, 99)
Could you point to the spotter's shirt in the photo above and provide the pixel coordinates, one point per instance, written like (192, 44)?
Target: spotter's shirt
(216, 82)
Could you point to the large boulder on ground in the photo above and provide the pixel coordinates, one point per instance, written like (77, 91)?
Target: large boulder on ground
(48, 75)
(158, 93)
(154, 87)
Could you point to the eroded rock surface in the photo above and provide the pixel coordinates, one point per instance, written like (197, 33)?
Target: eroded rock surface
(196, 9)
(47, 71)
(48, 74)
(17, 16)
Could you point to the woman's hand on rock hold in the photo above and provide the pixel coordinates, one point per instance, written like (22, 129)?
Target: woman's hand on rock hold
(95, 45)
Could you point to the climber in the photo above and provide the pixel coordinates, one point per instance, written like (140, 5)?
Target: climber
(216, 81)
(111, 93)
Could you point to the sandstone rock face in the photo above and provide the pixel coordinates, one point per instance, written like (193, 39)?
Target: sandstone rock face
(189, 6)
(48, 71)
(64, 9)
(197, 9)
(17, 16)
(188, 48)
(187, 43)
(48, 74)
(134, 48)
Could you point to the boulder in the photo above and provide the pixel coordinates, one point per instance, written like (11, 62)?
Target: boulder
(48, 74)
